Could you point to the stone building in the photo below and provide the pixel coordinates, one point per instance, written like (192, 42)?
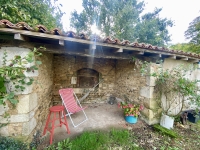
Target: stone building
(82, 63)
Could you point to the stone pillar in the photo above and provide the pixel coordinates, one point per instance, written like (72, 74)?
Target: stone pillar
(151, 110)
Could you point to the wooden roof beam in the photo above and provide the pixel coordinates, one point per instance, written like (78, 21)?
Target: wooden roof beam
(62, 42)
(184, 58)
(120, 50)
(194, 60)
(140, 53)
(172, 57)
(18, 36)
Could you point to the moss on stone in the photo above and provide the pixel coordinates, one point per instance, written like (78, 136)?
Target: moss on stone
(165, 131)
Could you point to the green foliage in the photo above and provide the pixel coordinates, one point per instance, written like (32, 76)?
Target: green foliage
(130, 108)
(193, 31)
(12, 77)
(173, 88)
(65, 144)
(120, 136)
(187, 47)
(33, 12)
(121, 19)
(7, 143)
(14, 73)
(36, 141)
(152, 29)
(165, 131)
(62, 145)
(89, 141)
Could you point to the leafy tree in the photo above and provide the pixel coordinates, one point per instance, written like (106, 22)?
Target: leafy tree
(187, 47)
(152, 29)
(121, 19)
(193, 31)
(33, 12)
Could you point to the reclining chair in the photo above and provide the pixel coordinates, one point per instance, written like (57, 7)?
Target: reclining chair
(72, 104)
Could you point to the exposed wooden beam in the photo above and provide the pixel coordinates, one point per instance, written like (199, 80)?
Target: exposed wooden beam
(120, 50)
(58, 49)
(185, 58)
(69, 39)
(40, 35)
(62, 42)
(194, 60)
(172, 57)
(140, 53)
(18, 36)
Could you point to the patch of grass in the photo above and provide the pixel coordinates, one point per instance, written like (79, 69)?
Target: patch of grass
(90, 140)
(99, 140)
(119, 136)
(165, 131)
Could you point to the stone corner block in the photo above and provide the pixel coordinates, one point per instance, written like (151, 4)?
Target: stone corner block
(28, 127)
(3, 109)
(147, 92)
(27, 103)
(31, 74)
(4, 131)
(150, 81)
(19, 118)
(11, 87)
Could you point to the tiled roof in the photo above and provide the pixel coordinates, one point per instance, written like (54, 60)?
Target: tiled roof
(42, 29)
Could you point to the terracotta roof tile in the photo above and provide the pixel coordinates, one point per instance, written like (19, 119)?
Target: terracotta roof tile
(23, 26)
(7, 23)
(125, 42)
(83, 36)
(40, 28)
(56, 31)
(109, 40)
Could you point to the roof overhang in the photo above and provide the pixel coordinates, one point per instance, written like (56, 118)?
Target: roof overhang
(58, 44)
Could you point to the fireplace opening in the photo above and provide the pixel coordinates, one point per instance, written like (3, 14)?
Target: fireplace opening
(87, 78)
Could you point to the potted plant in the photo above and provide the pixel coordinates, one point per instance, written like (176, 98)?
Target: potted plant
(131, 111)
(193, 115)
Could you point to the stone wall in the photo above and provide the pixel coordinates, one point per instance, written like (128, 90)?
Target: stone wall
(66, 67)
(124, 80)
(119, 78)
(34, 101)
(128, 81)
(130, 84)
(43, 88)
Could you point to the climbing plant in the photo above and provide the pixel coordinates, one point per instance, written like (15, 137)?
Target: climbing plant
(173, 87)
(12, 75)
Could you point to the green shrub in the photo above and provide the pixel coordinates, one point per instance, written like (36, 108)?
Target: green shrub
(7, 143)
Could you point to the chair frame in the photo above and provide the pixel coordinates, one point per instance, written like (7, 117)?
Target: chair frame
(78, 105)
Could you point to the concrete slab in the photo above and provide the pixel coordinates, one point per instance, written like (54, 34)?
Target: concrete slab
(100, 117)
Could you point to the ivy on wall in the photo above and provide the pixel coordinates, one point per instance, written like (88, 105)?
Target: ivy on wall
(12, 75)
